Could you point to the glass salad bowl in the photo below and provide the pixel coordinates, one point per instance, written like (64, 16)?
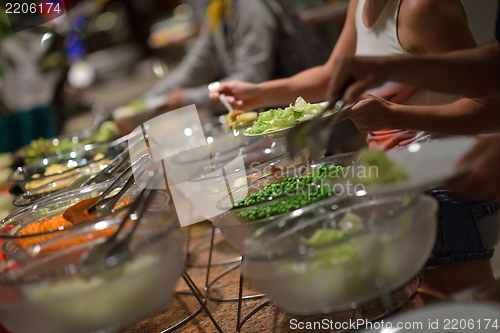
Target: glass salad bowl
(43, 224)
(55, 187)
(335, 254)
(206, 182)
(40, 148)
(234, 222)
(51, 293)
(47, 170)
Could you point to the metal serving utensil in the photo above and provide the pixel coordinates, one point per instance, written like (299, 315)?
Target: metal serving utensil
(222, 96)
(102, 205)
(116, 250)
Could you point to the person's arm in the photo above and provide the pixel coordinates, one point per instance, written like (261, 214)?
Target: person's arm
(472, 72)
(430, 27)
(483, 177)
(310, 84)
(464, 117)
(199, 66)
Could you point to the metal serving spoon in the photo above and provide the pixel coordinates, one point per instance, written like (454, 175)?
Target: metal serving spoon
(101, 205)
(116, 250)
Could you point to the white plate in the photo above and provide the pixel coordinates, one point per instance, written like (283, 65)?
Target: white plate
(441, 318)
(428, 164)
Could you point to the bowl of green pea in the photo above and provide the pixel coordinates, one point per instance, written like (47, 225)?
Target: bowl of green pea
(250, 206)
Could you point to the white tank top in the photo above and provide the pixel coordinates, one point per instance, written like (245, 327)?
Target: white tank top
(382, 39)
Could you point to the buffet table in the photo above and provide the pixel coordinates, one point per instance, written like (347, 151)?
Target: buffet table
(370, 249)
(268, 319)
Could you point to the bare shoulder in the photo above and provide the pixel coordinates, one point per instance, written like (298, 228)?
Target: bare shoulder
(433, 26)
(418, 10)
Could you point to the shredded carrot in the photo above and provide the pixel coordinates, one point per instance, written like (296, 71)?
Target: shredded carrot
(60, 223)
(45, 225)
(125, 202)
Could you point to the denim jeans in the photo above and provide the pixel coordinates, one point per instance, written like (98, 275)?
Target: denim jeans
(468, 229)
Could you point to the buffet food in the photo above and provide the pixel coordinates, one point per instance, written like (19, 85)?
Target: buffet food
(85, 159)
(236, 229)
(59, 171)
(44, 147)
(46, 226)
(278, 119)
(51, 295)
(309, 264)
(285, 195)
(238, 119)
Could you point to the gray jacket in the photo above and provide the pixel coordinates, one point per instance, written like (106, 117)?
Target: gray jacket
(246, 52)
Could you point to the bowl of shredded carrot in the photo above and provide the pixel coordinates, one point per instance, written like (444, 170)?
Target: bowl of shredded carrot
(27, 229)
(50, 293)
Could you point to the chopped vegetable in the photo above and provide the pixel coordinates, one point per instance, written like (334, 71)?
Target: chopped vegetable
(289, 185)
(277, 119)
(285, 204)
(45, 147)
(351, 223)
(322, 237)
(386, 170)
(46, 225)
(59, 223)
(58, 172)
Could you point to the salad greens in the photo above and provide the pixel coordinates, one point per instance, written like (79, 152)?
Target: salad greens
(387, 171)
(322, 237)
(277, 119)
(44, 147)
(336, 253)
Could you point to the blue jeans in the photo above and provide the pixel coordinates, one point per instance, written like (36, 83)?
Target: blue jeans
(468, 229)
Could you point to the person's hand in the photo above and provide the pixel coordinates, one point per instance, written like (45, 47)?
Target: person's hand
(370, 114)
(242, 95)
(483, 178)
(366, 72)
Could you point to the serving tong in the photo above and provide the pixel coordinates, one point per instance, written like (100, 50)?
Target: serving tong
(102, 205)
(116, 249)
(313, 133)
(107, 173)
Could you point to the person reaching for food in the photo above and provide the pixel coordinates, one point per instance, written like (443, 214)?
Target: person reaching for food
(402, 28)
(471, 72)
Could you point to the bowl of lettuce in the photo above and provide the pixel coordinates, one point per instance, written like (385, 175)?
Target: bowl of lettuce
(333, 255)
